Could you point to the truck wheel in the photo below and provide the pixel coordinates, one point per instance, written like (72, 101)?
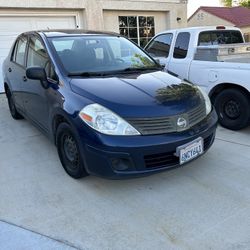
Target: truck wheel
(12, 106)
(233, 108)
(69, 152)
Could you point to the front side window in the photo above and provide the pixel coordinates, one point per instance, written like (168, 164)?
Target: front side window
(100, 54)
(181, 45)
(139, 29)
(219, 37)
(19, 52)
(160, 46)
(38, 57)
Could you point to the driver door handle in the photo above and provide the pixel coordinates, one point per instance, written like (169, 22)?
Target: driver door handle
(25, 79)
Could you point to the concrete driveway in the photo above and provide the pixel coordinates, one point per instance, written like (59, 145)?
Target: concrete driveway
(205, 205)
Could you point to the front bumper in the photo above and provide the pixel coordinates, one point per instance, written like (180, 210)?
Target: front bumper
(118, 157)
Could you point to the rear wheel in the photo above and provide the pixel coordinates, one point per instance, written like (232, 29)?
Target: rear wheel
(233, 108)
(12, 106)
(69, 152)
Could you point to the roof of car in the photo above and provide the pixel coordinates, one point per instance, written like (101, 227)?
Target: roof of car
(70, 32)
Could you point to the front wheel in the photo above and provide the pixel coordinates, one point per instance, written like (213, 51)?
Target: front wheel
(233, 108)
(69, 152)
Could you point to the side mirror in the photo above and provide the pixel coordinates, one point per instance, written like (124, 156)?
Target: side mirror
(37, 73)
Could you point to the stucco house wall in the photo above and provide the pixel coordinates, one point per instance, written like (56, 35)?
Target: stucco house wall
(203, 18)
(93, 13)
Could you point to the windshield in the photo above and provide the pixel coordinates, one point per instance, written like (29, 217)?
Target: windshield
(93, 54)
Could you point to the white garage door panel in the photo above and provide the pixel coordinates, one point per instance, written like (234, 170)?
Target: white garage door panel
(11, 27)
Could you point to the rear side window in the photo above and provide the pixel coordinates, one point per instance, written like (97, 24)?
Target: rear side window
(181, 45)
(160, 46)
(19, 52)
(219, 37)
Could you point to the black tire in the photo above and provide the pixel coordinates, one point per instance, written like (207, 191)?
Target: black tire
(233, 108)
(12, 106)
(69, 151)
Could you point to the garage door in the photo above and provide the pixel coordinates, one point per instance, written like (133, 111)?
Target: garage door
(10, 27)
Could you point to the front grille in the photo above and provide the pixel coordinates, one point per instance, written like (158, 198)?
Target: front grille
(163, 125)
(163, 160)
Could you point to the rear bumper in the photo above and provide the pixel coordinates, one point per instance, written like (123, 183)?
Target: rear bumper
(118, 157)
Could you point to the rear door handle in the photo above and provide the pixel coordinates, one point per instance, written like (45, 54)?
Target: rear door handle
(9, 69)
(25, 79)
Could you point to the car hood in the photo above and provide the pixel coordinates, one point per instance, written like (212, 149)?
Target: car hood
(139, 95)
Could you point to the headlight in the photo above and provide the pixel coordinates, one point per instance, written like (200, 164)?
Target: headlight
(207, 100)
(105, 121)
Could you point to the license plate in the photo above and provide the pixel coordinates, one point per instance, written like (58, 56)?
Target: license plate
(190, 150)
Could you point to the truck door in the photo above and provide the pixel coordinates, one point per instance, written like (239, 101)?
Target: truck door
(181, 57)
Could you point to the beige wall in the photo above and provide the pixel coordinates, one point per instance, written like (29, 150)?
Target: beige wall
(202, 18)
(246, 32)
(245, 29)
(97, 14)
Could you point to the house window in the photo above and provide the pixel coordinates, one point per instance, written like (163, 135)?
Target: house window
(139, 29)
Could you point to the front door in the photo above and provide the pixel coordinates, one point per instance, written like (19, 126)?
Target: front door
(36, 97)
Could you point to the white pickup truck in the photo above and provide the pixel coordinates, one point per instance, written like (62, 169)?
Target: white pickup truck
(216, 59)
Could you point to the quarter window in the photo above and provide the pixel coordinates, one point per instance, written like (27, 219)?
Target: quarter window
(139, 29)
(181, 45)
(160, 46)
(19, 54)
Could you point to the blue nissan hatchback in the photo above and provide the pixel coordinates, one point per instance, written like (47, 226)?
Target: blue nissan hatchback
(106, 104)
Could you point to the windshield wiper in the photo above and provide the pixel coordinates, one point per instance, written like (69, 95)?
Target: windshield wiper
(131, 69)
(114, 72)
(87, 74)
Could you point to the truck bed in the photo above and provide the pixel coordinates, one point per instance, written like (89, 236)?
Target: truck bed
(224, 53)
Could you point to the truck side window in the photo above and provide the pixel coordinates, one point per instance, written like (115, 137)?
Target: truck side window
(160, 46)
(181, 45)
